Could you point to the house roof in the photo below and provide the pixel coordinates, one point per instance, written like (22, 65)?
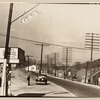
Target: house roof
(83, 70)
(72, 69)
(95, 73)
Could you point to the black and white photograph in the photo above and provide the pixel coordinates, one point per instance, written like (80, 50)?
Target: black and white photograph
(50, 49)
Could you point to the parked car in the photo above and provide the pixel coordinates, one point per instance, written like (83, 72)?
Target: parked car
(41, 79)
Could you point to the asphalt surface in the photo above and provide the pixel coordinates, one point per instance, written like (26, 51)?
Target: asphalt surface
(20, 88)
(56, 87)
(81, 90)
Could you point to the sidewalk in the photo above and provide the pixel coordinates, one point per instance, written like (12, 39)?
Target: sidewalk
(49, 90)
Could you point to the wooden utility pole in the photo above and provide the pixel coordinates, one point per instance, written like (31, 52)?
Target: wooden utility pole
(4, 87)
(92, 42)
(51, 66)
(48, 64)
(55, 63)
(28, 59)
(87, 64)
(91, 57)
(41, 58)
(7, 48)
(66, 55)
(66, 62)
(42, 45)
(28, 62)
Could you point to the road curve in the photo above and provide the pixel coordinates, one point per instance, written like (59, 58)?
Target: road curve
(77, 88)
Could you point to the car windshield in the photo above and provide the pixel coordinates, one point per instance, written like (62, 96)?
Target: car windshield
(41, 76)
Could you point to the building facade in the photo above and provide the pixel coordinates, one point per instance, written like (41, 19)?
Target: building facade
(16, 56)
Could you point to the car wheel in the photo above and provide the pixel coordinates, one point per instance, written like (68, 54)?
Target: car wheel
(45, 83)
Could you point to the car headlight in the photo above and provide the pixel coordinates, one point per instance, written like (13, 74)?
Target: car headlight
(42, 79)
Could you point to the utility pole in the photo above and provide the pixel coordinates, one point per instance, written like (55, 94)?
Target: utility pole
(28, 63)
(92, 42)
(87, 65)
(41, 58)
(42, 45)
(51, 66)
(66, 58)
(66, 62)
(7, 49)
(48, 64)
(55, 63)
(28, 59)
(55, 60)
(6, 68)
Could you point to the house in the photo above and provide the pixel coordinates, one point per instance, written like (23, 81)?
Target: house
(95, 69)
(70, 73)
(60, 73)
(31, 68)
(96, 78)
(82, 74)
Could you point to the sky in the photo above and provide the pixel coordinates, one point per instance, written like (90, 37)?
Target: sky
(62, 24)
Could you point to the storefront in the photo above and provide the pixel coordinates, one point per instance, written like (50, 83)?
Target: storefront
(16, 56)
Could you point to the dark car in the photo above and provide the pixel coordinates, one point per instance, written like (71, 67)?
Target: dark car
(41, 79)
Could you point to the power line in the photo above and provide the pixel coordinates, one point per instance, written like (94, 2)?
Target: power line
(84, 3)
(46, 43)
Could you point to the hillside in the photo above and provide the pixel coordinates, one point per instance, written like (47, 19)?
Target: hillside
(95, 64)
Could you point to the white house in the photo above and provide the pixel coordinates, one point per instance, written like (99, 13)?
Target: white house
(31, 68)
(81, 74)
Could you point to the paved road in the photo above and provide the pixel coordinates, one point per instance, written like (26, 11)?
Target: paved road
(19, 87)
(77, 88)
(62, 87)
